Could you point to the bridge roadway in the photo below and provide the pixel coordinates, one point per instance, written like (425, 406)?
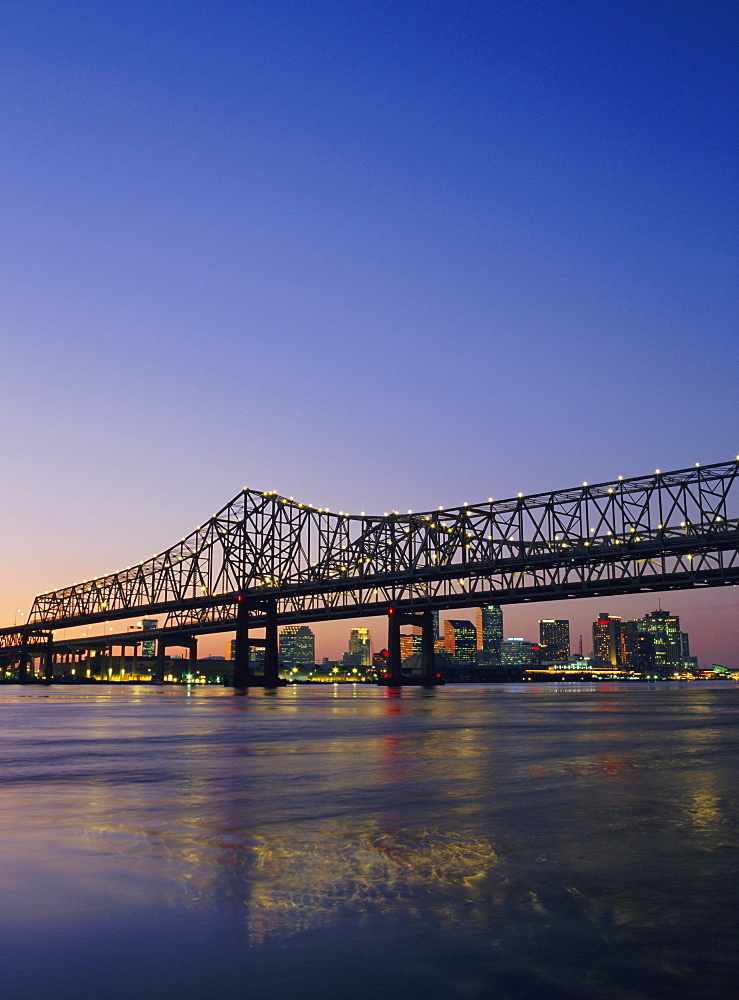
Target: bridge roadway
(264, 561)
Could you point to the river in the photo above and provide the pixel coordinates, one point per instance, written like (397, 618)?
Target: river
(476, 841)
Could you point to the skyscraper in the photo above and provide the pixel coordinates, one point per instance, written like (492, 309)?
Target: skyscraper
(297, 644)
(410, 644)
(664, 629)
(489, 632)
(359, 647)
(607, 641)
(435, 619)
(638, 648)
(554, 639)
(460, 640)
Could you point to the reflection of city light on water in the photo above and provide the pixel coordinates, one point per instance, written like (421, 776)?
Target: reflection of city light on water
(287, 888)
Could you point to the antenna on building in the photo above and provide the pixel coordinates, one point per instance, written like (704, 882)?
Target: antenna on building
(659, 602)
(580, 649)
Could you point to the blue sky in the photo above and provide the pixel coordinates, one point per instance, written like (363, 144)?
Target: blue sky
(372, 255)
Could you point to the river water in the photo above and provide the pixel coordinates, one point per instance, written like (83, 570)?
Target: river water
(501, 841)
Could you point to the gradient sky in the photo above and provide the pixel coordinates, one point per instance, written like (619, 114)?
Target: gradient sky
(372, 255)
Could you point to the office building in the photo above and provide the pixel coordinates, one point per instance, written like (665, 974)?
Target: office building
(489, 632)
(515, 652)
(607, 640)
(435, 626)
(297, 645)
(360, 653)
(410, 644)
(664, 629)
(554, 639)
(460, 641)
(638, 649)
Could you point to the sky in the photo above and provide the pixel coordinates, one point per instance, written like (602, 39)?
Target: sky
(373, 255)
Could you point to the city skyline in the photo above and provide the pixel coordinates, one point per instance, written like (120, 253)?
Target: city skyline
(378, 635)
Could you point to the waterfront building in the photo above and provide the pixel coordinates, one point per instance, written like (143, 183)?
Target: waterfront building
(297, 644)
(460, 640)
(436, 626)
(607, 640)
(638, 649)
(489, 632)
(360, 653)
(515, 652)
(664, 629)
(554, 639)
(410, 644)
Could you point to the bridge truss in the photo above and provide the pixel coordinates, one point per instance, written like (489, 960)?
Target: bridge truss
(663, 531)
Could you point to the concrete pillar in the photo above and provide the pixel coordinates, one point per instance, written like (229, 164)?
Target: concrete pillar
(49, 660)
(23, 662)
(393, 648)
(271, 658)
(193, 648)
(241, 646)
(159, 668)
(428, 666)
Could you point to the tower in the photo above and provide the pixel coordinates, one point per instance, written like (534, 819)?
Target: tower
(297, 644)
(460, 640)
(664, 629)
(554, 639)
(607, 640)
(359, 647)
(489, 632)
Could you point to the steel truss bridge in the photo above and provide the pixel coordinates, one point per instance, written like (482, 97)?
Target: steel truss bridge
(265, 560)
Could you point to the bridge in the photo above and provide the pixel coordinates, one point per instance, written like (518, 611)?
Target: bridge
(266, 560)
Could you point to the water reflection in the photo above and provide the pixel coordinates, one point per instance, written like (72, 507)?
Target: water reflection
(528, 842)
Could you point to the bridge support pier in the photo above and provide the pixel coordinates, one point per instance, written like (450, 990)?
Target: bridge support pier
(49, 660)
(428, 635)
(271, 650)
(193, 657)
(394, 664)
(23, 662)
(159, 669)
(424, 620)
(241, 646)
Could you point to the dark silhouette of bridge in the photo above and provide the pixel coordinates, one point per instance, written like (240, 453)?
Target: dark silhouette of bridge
(265, 560)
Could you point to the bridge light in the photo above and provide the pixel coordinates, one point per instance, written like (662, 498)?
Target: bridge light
(520, 494)
(656, 472)
(585, 484)
(620, 478)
